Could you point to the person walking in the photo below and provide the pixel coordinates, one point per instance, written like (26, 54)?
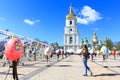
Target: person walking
(85, 56)
(92, 53)
(114, 53)
(104, 51)
(34, 53)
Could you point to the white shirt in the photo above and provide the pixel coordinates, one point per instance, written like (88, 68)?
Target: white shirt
(104, 50)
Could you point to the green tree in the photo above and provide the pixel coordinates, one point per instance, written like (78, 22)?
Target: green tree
(62, 47)
(55, 45)
(109, 44)
(45, 42)
(37, 39)
(118, 45)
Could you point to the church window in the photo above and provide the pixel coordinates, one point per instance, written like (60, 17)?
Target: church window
(70, 22)
(71, 40)
(70, 29)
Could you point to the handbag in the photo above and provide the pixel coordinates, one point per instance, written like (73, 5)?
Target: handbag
(87, 55)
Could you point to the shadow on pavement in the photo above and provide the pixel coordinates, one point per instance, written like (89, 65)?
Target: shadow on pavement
(61, 66)
(3, 73)
(110, 74)
(114, 66)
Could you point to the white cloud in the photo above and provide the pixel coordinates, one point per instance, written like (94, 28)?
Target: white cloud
(31, 22)
(82, 21)
(88, 15)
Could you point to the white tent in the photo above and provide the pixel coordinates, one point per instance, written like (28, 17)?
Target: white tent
(70, 51)
(78, 51)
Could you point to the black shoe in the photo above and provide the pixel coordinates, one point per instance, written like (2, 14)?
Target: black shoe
(91, 74)
(3, 65)
(23, 64)
(11, 66)
(84, 74)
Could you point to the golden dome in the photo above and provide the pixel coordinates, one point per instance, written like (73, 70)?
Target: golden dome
(71, 15)
(94, 37)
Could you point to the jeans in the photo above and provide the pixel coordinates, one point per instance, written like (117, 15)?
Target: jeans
(84, 60)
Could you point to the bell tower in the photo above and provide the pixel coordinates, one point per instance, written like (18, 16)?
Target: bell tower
(71, 32)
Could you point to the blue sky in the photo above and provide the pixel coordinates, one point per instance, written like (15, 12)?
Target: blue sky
(45, 19)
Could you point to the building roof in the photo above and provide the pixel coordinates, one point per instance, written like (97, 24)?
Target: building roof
(94, 39)
(71, 15)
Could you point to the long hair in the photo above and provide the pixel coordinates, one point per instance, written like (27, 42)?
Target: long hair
(85, 47)
(84, 50)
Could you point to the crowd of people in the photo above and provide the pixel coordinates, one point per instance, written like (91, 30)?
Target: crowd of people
(32, 50)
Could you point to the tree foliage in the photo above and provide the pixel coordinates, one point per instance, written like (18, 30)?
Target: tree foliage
(55, 45)
(118, 45)
(109, 44)
(37, 39)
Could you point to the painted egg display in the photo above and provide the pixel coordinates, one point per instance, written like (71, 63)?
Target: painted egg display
(14, 49)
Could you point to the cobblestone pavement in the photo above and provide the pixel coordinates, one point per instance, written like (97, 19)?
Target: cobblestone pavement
(70, 68)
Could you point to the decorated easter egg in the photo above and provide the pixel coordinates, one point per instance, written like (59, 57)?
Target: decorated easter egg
(14, 49)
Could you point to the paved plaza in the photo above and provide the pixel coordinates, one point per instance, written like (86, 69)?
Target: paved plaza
(70, 68)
